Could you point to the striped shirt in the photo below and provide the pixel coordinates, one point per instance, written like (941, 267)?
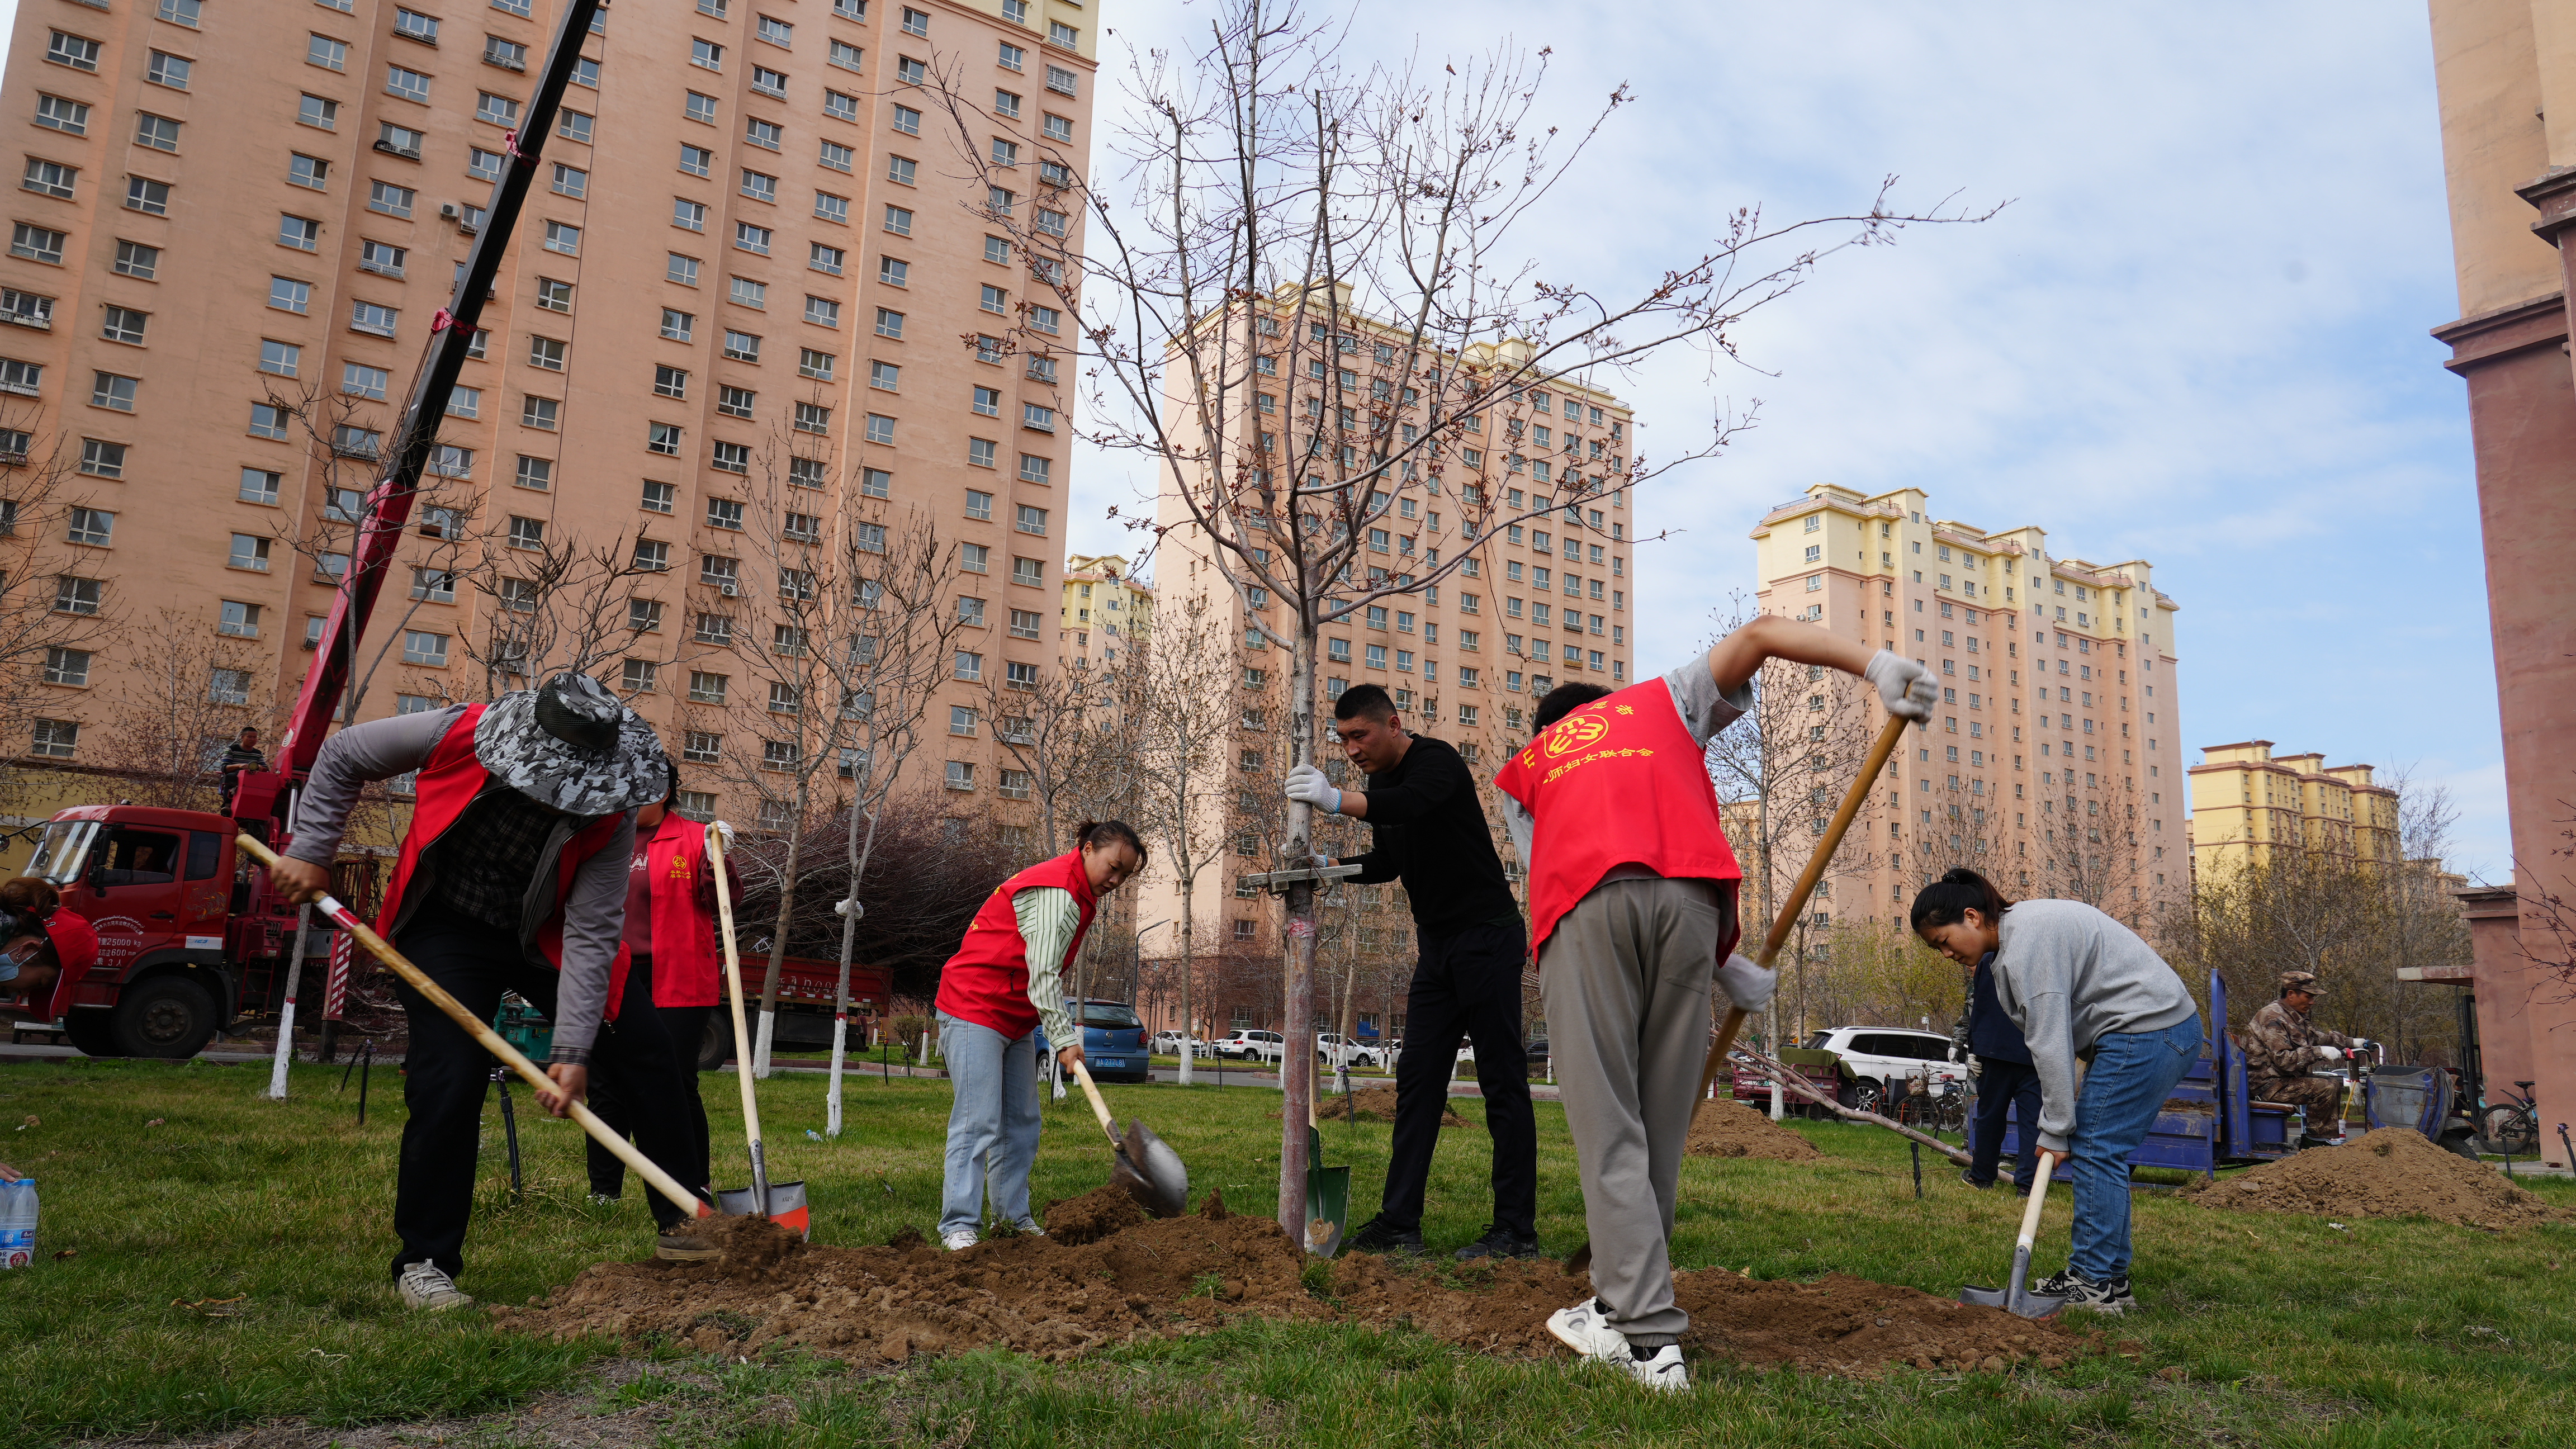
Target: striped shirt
(1048, 915)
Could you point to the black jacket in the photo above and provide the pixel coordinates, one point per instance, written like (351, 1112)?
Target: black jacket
(1991, 1034)
(1431, 834)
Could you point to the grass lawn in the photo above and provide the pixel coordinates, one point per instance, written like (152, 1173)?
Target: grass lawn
(2269, 1330)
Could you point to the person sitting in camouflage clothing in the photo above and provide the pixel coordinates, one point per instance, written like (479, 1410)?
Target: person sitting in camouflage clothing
(2283, 1048)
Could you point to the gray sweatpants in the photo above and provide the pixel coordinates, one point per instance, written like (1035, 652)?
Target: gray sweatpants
(1626, 976)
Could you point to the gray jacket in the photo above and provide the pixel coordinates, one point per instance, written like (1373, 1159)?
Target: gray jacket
(2068, 976)
(594, 914)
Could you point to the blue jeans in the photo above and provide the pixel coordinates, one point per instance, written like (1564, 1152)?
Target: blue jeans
(2131, 1075)
(992, 1123)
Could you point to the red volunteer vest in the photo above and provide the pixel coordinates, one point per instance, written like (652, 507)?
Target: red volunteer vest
(685, 967)
(987, 981)
(1617, 782)
(449, 783)
(75, 951)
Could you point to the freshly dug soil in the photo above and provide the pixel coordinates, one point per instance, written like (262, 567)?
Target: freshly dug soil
(1093, 1216)
(1373, 1104)
(1728, 1129)
(2390, 1173)
(1055, 1298)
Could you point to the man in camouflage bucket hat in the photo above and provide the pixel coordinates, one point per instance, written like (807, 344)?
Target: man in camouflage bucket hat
(2283, 1049)
(512, 877)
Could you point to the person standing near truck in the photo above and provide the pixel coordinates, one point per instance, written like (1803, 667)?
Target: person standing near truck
(2006, 1082)
(1430, 833)
(2283, 1048)
(671, 934)
(512, 877)
(2082, 988)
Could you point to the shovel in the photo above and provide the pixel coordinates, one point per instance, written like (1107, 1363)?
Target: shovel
(1147, 1168)
(784, 1203)
(1328, 1196)
(2016, 1297)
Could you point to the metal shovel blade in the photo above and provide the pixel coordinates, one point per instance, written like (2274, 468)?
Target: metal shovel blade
(1151, 1173)
(2016, 1299)
(1328, 1200)
(786, 1205)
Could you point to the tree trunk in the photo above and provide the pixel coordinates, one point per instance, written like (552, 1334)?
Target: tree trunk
(778, 939)
(858, 855)
(1188, 918)
(1297, 1069)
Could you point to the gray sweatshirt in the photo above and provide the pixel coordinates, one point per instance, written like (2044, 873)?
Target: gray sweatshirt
(594, 914)
(2068, 976)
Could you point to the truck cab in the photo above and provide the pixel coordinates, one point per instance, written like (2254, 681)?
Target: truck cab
(178, 948)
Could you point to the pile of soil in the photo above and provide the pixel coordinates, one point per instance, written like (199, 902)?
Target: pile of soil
(2390, 1173)
(1373, 1104)
(1093, 1216)
(1729, 1129)
(1056, 1298)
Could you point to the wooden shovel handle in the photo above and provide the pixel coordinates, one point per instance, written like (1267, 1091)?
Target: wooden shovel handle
(1099, 1108)
(1880, 749)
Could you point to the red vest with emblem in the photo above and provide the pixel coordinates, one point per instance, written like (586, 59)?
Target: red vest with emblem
(449, 783)
(1619, 781)
(686, 970)
(987, 981)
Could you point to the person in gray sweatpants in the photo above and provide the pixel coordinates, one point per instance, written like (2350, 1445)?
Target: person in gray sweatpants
(1632, 902)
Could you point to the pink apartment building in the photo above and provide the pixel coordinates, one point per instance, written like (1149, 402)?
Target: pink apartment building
(759, 249)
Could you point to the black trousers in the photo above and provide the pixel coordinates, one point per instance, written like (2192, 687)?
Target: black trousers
(2003, 1086)
(446, 1074)
(1467, 986)
(615, 1101)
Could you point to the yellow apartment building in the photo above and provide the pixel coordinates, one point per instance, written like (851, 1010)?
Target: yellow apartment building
(2248, 804)
(755, 249)
(2045, 764)
(1100, 600)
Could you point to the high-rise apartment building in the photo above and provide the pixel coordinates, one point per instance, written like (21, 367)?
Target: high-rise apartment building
(2248, 805)
(2053, 763)
(757, 262)
(1538, 602)
(1105, 613)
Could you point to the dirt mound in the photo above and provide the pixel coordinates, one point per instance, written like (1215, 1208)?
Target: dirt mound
(748, 1243)
(1373, 1104)
(1093, 1216)
(1036, 1294)
(1056, 1298)
(1727, 1129)
(2390, 1173)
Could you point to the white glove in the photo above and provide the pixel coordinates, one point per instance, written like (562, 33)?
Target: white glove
(1905, 687)
(2330, 1054)
(724, 834)
(1307, 784)
(1748, 986)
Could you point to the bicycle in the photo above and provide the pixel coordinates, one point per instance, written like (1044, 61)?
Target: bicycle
(2511, 1127)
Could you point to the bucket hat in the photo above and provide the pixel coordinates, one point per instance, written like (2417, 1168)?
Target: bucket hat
(570, 744)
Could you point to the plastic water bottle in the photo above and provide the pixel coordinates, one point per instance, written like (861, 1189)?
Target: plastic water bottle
(18, 1223)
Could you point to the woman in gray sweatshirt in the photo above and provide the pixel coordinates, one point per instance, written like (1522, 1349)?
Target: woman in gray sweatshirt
(2082, 987)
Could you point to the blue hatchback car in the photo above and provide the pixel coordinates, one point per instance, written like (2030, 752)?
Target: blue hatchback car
(1113, 1042)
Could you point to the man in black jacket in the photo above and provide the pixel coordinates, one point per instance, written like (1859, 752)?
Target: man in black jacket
(2006, 1079)
(1431, 835)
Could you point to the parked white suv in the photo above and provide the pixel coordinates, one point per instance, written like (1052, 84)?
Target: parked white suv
(1265, 1046)
(1332, 1051)
(1877, 1057)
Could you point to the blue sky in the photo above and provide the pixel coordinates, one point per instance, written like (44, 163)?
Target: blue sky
(2197, 334)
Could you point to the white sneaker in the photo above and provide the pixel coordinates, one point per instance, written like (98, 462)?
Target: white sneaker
(426, 1288)
(959, 1240)
(1586, 1330)
(1029, 1227)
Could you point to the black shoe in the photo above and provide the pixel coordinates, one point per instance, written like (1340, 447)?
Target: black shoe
(2308, 1139)
(1499, 1242)
(1972, 1180)
(1377, 1235)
